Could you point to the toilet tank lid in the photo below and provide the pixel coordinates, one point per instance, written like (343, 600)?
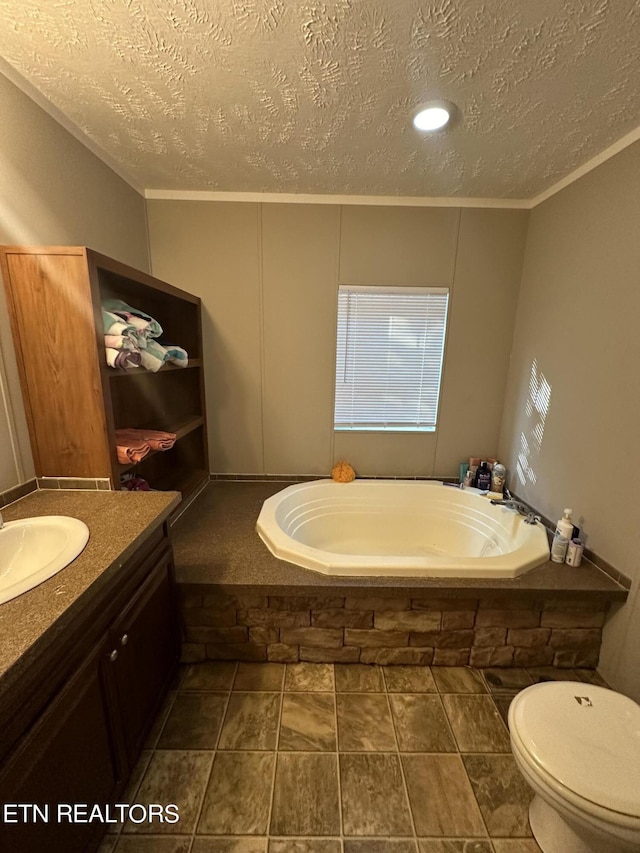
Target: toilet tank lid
(586, 737)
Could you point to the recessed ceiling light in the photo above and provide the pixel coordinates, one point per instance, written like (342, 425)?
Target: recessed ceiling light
(433, 115)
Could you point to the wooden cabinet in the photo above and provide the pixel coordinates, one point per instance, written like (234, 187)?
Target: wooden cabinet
(143, 647)
(67, 757)
(74, 401)
(92, 718)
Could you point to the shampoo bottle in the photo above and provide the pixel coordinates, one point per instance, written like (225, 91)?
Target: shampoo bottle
(498, 478)
(559, 548)
(483, 477)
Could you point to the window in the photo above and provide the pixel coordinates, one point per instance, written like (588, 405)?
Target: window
(389, 357)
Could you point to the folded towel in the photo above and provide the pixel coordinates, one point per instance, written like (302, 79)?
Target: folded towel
(141, 321)
(114, 325)
(114, 341)
(122, 358)
(112, 354)
(130, 329)
(126, 358)
(177, 356)
(156, 439)
(153, 356)
(120, 335)
(132, 452)
(119, 342)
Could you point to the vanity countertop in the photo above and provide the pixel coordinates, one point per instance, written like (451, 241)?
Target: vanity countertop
(118, 522)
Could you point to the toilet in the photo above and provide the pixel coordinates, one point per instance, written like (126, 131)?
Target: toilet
(578, 747)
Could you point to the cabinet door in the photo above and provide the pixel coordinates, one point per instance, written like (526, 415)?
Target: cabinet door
(67, 757)
(144, 652)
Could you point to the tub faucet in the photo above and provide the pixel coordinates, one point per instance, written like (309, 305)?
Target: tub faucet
(523, 509)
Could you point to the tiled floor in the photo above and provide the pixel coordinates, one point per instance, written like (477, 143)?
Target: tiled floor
(317, 758)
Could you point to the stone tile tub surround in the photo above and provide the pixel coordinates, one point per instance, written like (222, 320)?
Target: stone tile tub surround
(481, 632)
(240, 602)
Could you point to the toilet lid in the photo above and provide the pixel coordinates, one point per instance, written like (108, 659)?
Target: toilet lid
(585, 737)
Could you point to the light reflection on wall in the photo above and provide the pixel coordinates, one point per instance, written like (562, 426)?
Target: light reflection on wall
(536, 409)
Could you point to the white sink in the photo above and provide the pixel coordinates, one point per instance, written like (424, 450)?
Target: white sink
(33, 549)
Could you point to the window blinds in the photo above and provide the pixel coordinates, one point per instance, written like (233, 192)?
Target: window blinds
(390, 346)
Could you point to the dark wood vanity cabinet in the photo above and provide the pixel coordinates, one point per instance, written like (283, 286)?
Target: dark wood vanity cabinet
(81, 745)
(143, 651)
(66, 757)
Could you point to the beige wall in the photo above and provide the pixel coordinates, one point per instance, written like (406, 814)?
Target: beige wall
(53, 191)
(268, 275)
(578, 318)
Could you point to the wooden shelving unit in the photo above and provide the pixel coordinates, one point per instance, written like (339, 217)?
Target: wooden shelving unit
(74, 401)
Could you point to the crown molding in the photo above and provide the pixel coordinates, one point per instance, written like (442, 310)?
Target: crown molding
(310, 198)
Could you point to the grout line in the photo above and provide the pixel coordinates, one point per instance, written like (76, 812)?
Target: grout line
(399, 757)
(464, 767)
(206, 785)
(275, 759)
(132, 794)
(204, 794)
(460, 753)
(446, 716)
(335, 718)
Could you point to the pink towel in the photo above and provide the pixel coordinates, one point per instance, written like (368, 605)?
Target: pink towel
(155, 439)
(131, 452)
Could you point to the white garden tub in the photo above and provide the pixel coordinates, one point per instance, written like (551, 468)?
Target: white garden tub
(399, 528)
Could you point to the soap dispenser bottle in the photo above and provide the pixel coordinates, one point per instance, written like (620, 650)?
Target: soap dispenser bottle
(562, 537)
(565, 526)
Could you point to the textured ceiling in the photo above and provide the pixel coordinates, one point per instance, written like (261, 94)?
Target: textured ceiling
(315, 97)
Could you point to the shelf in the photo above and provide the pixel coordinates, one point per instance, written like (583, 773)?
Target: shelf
(77, 439)
(116, 372)
(180, 430)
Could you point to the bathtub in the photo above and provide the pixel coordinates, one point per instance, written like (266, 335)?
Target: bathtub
(398, 528)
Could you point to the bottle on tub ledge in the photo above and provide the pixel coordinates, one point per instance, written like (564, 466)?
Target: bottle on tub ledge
(562, 537)
(498, 478)
(483, 478)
